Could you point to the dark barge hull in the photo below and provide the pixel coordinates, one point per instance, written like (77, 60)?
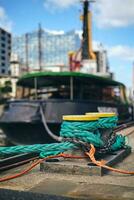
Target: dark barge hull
(21, 120)
(29, 133)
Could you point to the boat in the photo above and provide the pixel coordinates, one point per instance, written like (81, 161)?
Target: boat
(62, 93)
(59, 93)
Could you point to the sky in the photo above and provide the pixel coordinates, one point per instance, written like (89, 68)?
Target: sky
(113, 25)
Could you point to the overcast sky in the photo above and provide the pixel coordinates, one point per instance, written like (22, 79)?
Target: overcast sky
(113, 25)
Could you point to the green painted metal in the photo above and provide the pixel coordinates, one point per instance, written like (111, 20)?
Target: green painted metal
(29, 77)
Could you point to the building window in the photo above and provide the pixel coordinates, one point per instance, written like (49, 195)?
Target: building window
(3, 45)
(3, 71)
(9, 72)
(3, 38)
(3, 64)
(3, 51)
(3, 58)
(3, 32)
(9, 35)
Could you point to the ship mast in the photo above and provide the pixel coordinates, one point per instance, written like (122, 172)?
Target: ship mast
(87, 51)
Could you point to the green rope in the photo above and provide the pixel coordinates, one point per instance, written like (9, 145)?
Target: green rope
(80, 131)
(108, 122)
(119, 143)
(43, 149)
(56, 148)
(84, 131)
(81, 126)
(111, 122)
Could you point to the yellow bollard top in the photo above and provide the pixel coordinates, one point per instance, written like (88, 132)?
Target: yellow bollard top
(100, 115)
(80, 118)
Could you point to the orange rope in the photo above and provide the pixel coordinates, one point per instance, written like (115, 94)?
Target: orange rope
(72, 156)
(90, 154)
(101, 164)
(21, 173)
(38, 162)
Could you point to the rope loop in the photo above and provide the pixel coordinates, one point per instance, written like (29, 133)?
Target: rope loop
(80, 126)
(84, 131)
(79, 133)
(108, 122)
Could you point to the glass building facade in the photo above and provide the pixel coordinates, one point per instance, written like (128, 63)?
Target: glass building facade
(40, 48)
(5, 51)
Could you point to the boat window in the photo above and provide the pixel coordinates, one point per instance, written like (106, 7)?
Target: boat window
(111, 94)
(98, 92)
(22, 92)
(81, 91)
(91, 92)
(19, 92)
(60, 92)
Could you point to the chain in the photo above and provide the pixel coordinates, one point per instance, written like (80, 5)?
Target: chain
(85, 146)
(107, 147)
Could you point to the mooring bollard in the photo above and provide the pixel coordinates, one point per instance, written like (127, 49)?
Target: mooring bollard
(106, 123)
(81, 127)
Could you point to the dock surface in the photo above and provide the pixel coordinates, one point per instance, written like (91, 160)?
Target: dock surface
(112, 186)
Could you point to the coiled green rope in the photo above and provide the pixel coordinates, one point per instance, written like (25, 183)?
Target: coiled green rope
(84, 131)
(110, 123)
(120, 142)
(107, 122)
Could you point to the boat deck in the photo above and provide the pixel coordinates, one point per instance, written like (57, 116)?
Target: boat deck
(112, 186)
